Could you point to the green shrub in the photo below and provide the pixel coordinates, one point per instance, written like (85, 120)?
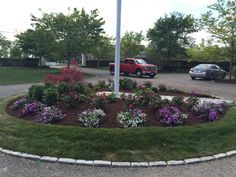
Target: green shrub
(51, 96)
(36, 92)
(64, 88)
(50, 85)
(148, 84)
(127, 84)
(111, 98)
(79, 88)
(176, 100)
(156, 102)
(234, 71)
(162, 88)
(155, 89)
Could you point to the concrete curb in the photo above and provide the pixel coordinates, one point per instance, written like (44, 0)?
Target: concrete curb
(102, 163)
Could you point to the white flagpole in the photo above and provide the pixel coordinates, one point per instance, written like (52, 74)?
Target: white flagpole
(117, 52)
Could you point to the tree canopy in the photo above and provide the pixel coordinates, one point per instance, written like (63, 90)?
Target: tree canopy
(220, 21)
(4, 46)
(71, 35)
(170, 35)
(131, 44)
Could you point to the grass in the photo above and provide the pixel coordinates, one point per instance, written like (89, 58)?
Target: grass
(20, 75)
(136, 144)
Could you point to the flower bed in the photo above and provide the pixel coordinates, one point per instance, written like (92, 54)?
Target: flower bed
(78, 104)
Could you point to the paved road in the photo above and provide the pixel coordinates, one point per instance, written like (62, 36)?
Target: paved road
(180, 81)
(17, 167)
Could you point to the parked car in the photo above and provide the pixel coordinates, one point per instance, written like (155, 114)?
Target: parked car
(207, 71)
(135, 66)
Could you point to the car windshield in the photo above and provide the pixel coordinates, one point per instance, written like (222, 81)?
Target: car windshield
(140, 61)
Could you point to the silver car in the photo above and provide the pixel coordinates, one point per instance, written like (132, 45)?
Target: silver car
(207, 71)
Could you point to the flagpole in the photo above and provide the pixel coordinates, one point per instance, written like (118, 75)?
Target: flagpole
(117, 50)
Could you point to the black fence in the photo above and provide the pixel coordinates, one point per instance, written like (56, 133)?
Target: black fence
(25, 62)
(185, 65)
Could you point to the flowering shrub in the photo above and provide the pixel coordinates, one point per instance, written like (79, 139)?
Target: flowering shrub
(132, 118)
(91, 117)
(32, 108)
(19, 103)
(171, 116)
(208, 110)
(70, 75)
(49, 115)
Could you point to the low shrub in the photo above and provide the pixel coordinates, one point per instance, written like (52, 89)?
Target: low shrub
(72, 98)
(127, 84)
(69, 75)
(31, 92)
(111, 98)
(132, 118)
(91, 117)
(171, 116)
(192, 101)
(177, 101)
(156, 102)
(148, 84)
(155, 89)
(51, 96)
(79, 88)
(32, 108)
(99, 101)
(49, 115)
(50, 85)
(162, 88)
(63, 88)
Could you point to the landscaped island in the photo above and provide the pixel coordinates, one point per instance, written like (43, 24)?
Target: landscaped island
(83, 105)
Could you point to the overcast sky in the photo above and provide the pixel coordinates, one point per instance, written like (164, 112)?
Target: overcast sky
(137, 15)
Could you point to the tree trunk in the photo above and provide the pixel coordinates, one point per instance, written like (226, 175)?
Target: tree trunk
(230, 69)
(83, 60)
(68, 59)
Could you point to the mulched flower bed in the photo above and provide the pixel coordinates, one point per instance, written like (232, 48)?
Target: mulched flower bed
(227, 81)
(111, 110)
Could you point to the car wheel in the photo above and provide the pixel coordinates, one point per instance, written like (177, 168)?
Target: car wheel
(223, 76)
(193, 78)
(139, 73)
(152, 75)
(212, 77)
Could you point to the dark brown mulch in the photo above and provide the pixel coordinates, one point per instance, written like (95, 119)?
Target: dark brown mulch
(111, 110)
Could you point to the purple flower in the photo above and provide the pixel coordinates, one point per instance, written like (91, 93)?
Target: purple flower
(212, 116)
(32, 108)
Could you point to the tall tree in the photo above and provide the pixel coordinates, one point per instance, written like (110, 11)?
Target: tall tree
(4, 46)
(170, 34)
(131, 44)
(77, 32)
(15, 50)
(220, 21)
(206, 51)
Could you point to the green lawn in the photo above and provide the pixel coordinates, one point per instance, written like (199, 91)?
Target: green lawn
(135, 144)
(19, 75)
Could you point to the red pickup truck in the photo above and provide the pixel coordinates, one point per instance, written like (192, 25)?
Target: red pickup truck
(135, 66)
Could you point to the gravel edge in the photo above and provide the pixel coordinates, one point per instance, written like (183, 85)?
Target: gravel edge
(101, 163)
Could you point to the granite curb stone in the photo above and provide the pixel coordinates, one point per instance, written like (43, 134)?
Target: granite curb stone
(66, 160)
(102, 163)
(121, 164)
(157, 164)
(84, 162)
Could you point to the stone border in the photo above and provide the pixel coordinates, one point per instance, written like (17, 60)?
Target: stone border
(101, 163)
